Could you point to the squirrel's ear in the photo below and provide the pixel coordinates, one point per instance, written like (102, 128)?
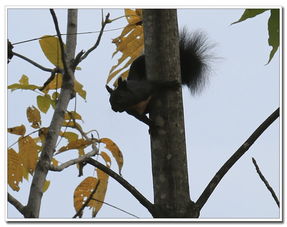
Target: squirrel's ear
(109, 89)
(120, 81)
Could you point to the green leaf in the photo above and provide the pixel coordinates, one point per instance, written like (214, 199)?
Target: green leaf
(274, 32)
(249, 13)
(44, 103)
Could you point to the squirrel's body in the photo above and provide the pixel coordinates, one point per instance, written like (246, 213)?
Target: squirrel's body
(134, 94)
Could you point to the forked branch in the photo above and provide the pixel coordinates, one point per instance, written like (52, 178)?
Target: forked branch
(147, 204)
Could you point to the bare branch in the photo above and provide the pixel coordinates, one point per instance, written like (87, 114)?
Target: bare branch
(234, 158)
(147, 204)
(60, 39)
(16, 204)
(84, 55)
(79, 213)
(73, 161)
(35, 196)
(34, 63)
(266, 182)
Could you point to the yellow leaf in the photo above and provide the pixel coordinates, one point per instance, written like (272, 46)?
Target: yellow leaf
(133, 17)
(107, 158)
(70, 136)
(23, 84)
(113, 148)
(130, 43)
(83, 191)
(56, 83)
(71, 124)
(79, 89)
(76, 144)
(44, 102)
(46, 186)
(15, 173)
(33, 116)
(28, 153)
(70, 115)
(86, 187)
(18, 130)
(51, 48)
(99, 196)
(54, 162)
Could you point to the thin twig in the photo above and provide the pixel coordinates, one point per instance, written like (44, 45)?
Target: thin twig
(16, 203)
(266, 182)
(234, 158)
(108, 204)
(49, 80)
(33, 63)
(73, 161)
(97, 42)
(87, 201)
(63, 55)
(147, 204)
(23, 137)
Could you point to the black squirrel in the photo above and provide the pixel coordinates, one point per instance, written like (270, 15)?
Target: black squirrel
(134, 94)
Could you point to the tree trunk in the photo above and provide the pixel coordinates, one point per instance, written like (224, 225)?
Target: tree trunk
(168, 149)
(32, 209)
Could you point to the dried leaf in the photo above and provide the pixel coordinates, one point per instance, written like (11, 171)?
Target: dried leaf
(15, 172)
(33, 116)
(107, 158)
(56, 83)
(71, 124)
(76, 144)
(79, 89)
(100, 194)
(130, 43)
(70, 136)
(86, 187)
(54, 162)
(72, 115)
(83, 191)
(113, 148)
(28, 153)
(18, 130)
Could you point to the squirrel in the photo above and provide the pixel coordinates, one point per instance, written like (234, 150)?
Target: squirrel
(134, 94)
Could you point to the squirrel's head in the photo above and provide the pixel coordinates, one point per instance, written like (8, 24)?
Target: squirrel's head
(119, 96)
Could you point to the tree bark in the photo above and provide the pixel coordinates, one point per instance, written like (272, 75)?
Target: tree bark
(32, 209)
(168, 148)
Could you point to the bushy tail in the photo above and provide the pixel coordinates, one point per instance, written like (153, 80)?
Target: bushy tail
(195, 59)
